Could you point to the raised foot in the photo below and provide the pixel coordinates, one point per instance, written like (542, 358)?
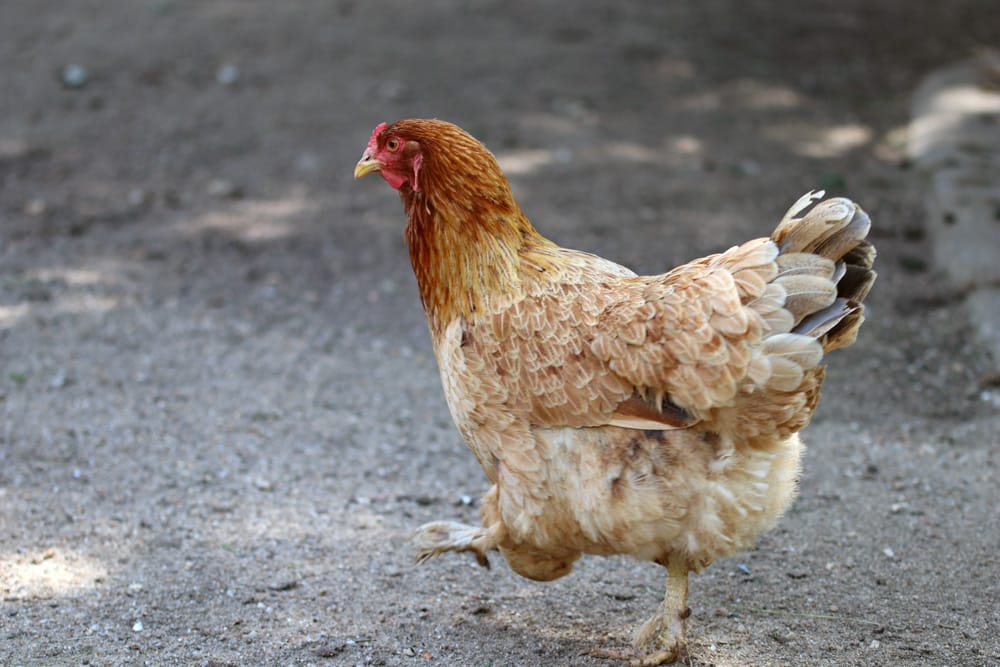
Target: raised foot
(435, 538)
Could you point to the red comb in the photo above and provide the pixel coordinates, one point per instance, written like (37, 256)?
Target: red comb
(377, 131)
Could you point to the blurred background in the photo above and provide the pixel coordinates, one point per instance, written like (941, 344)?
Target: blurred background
(219, 411)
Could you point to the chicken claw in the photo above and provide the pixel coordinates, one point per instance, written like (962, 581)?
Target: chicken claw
(435, 538)
(663, 635)
(636, 658)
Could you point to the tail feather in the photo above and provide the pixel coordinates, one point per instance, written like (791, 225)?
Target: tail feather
(807, 294)
(804, 263)
(857, 280)
(813, 304)
(814, 235)
(821, 322)
(845, 332)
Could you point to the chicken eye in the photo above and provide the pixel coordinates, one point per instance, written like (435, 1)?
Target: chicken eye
(392, 144)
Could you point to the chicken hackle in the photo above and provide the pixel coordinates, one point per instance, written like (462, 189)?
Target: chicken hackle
(655, 416)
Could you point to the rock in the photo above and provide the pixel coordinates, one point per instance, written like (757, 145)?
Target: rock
(35, 207)
(138, 198)
(74, 76)
(284, 585)
(782, 636)
(224, 189)
(228, 75)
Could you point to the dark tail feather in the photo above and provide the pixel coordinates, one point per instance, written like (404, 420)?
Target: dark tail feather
(837, 230)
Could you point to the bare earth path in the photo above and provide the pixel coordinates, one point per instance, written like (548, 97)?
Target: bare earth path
(219, 413)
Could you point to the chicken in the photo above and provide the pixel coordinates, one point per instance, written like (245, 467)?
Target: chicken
(655, 416)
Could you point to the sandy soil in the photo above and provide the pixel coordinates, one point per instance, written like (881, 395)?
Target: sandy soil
(219, 414)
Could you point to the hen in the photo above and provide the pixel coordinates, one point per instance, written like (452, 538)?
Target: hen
(655, 416)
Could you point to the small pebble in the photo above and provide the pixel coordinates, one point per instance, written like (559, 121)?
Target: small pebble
(285, 585)
(889, 553)
(74, 76)
(408, 652)
(220, 187)
(137, 197)
(621, 594)
(875, 644)
(748, 167)
(743, 568)
(35, 207)
(782, 636)
(331, 650)
(137, 627)
(228, 75)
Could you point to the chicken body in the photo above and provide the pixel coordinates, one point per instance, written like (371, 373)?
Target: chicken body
(655, 416)
(515, 379)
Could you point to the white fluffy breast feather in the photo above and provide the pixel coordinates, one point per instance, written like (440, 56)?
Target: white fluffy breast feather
(655, 493)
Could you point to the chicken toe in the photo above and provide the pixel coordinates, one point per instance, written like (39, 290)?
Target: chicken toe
(435, 538)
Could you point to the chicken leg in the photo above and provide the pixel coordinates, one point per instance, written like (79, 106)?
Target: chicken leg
(664, 634)
(661, 639)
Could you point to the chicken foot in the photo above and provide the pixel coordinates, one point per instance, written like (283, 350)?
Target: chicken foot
(661, 639)
(665, 631)
(435, 538)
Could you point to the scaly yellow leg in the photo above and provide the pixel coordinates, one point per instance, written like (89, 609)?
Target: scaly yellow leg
(664, 634)
(661, 639)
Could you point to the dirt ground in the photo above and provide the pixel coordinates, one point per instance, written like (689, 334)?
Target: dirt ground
(220, 417)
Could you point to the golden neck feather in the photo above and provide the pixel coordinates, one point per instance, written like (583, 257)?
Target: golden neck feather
(467, 254)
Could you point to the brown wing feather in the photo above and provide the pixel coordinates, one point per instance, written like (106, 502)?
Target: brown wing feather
(602, 346)
(585, 342)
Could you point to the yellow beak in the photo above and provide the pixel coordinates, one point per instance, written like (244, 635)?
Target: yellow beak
(366, 165)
